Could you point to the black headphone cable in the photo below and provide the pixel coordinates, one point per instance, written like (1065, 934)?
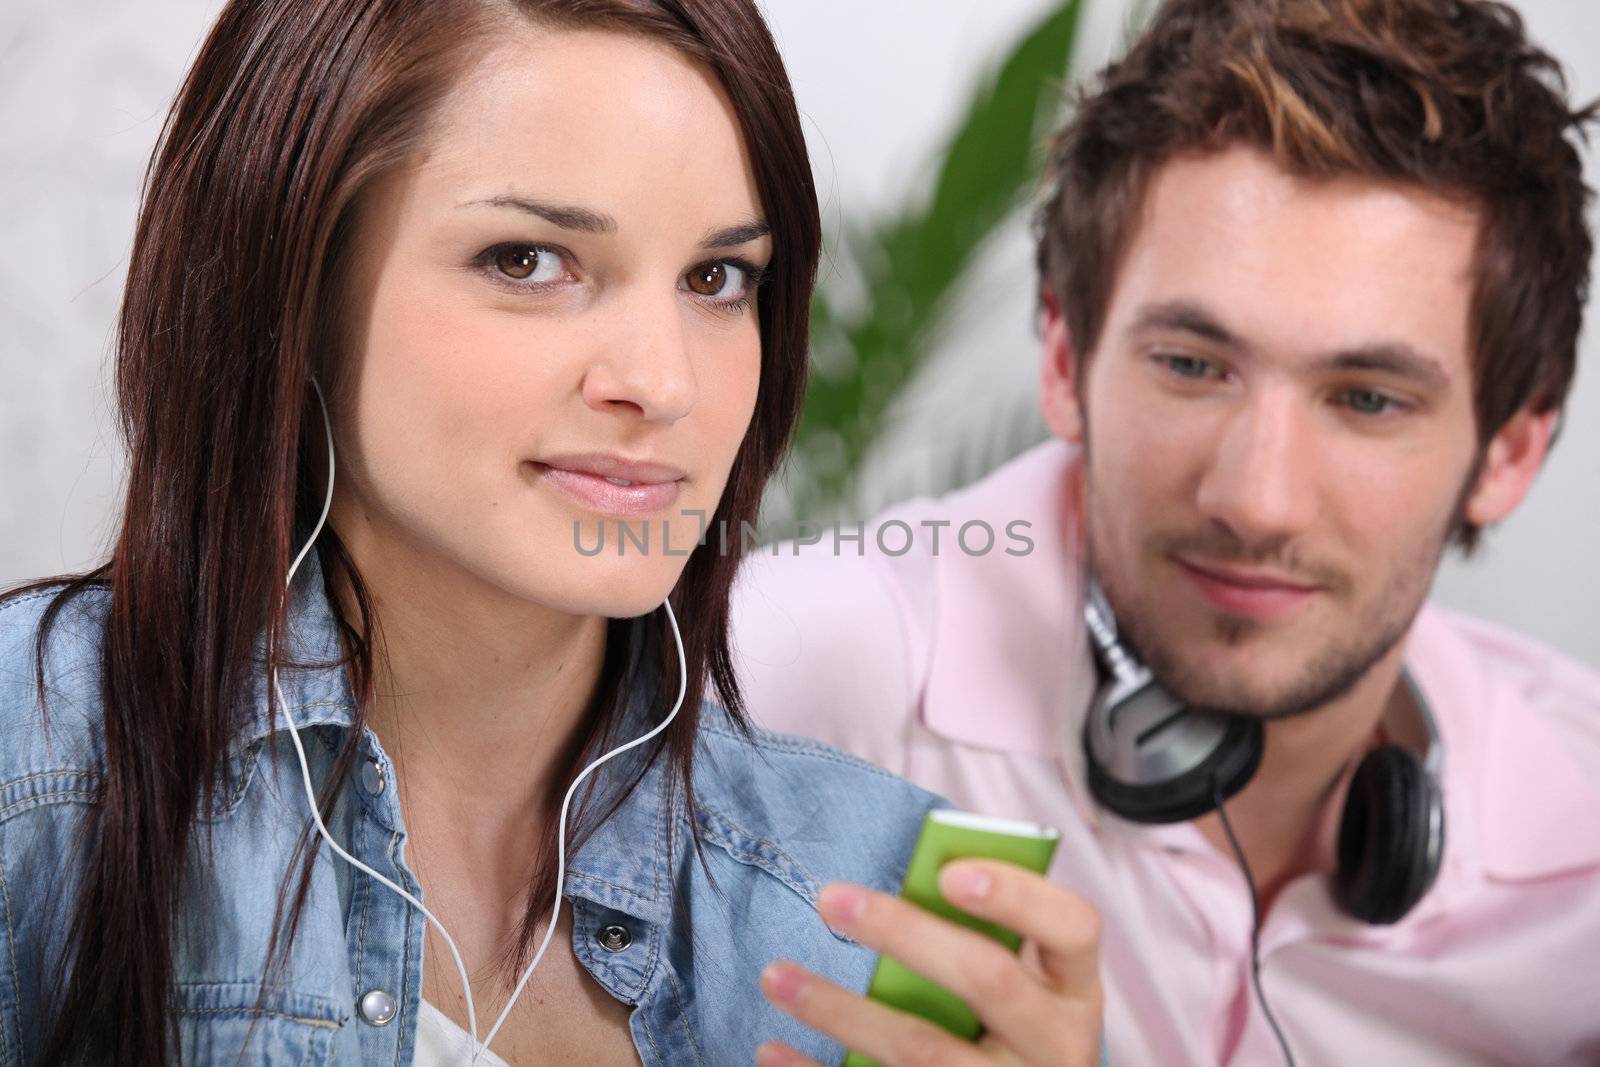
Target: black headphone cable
(1255, 924)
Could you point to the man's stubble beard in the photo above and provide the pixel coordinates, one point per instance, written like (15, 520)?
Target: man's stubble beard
(1331, 670)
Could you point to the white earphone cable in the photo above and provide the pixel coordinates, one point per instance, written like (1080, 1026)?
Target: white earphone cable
(561, 832)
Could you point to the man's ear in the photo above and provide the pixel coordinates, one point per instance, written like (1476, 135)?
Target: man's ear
(1510, 463)
(1058, 384)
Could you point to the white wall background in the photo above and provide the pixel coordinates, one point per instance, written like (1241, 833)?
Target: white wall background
(84, 85)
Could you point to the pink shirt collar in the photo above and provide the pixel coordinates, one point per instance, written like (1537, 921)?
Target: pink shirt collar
(1008, 655)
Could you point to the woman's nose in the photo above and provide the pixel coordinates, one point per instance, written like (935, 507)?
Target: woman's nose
(643, 364)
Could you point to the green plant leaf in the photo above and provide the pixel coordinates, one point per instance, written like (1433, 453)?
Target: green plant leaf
(913, 262)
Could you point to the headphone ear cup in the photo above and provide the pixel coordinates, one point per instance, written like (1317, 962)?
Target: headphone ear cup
(1386, 858)
(1229, 761)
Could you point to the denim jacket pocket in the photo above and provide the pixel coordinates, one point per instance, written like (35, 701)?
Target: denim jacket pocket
(215, 1020)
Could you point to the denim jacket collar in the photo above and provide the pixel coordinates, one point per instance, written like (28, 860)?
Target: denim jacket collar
(610, 870)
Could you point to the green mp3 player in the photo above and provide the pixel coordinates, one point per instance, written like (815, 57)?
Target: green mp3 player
(954, 835)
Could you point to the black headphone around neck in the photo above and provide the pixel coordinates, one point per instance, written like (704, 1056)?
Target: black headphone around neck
(1153, 760)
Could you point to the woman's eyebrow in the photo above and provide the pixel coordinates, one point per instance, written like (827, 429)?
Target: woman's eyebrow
(736, 235)
(566, 216)
(584, 220)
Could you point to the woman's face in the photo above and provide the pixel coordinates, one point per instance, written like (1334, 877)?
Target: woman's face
(562, 289)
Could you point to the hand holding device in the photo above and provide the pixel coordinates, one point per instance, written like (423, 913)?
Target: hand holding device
(950, 968)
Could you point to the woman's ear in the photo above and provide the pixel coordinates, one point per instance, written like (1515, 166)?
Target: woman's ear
(1510, 463)
(1058, 383)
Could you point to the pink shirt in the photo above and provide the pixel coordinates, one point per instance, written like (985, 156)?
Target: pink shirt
(969, 674)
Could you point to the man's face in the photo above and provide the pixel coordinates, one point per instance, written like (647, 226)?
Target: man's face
(1278, 425)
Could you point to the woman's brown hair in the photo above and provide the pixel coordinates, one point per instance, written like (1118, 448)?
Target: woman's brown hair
(291, 110)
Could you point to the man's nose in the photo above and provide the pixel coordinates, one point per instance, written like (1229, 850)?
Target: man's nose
(643, 362)
(1261, 483)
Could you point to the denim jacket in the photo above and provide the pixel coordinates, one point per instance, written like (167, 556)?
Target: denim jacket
(779, 818)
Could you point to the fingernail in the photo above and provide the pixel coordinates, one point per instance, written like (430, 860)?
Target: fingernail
(841, 904)
(964, 883)
(773, 1054)
(784, 982)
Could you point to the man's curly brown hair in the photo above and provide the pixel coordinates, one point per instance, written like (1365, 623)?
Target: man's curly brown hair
(1448, 95)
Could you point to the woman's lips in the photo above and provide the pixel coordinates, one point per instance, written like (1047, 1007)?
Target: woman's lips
(599, 494)
(1257, 596)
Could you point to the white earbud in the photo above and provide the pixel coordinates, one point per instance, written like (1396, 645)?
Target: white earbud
(561, 831)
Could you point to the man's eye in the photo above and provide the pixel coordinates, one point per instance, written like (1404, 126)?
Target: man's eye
(1369, 401)
(531, 263)
(1189, 366)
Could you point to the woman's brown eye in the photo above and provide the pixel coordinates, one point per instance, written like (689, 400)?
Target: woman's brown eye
(517, 262)
(534, 263)
(708, 280)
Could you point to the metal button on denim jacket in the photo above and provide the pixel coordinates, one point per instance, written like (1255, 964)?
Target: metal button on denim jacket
(779, 818)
